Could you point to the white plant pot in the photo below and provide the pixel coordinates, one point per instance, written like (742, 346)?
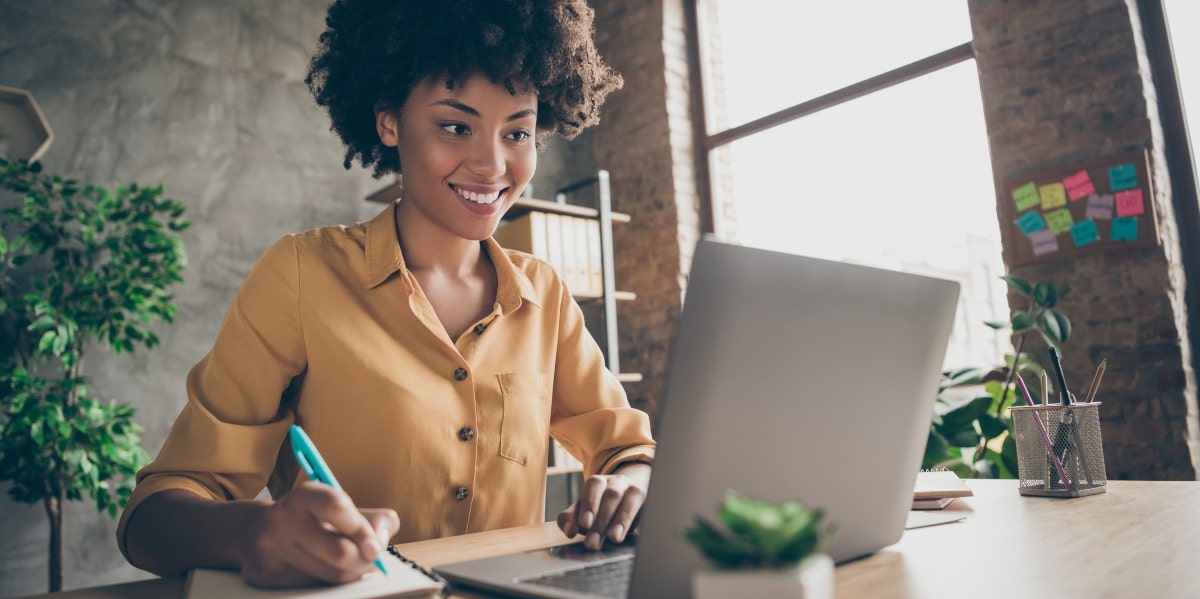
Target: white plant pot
(812, 578)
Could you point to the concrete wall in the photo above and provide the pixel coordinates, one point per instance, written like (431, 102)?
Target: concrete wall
(208, 99)
(1066, 83)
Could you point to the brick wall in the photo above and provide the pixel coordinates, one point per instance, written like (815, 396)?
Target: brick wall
(1065, 83)
(645, 141)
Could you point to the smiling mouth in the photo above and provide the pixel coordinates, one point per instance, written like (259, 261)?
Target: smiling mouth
(479, 198)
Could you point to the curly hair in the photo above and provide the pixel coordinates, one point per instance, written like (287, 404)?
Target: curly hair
(374, 52)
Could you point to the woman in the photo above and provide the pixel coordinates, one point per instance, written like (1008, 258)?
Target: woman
(428, 364)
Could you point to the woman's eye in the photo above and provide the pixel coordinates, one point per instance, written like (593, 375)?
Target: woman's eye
(519, 135)
(455, 128)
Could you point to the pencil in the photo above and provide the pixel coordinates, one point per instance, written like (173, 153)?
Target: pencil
(1062, 380)
(1045, 387)
(1091, 395)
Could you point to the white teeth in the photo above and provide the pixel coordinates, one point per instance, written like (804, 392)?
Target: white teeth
(478, 198)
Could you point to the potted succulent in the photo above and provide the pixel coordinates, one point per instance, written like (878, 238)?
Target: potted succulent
(763, 550)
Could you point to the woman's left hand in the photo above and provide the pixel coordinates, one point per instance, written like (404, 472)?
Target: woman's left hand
(608, 505)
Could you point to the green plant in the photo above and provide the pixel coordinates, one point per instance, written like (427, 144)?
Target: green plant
(759, 534)
(79, 265)
(973, 435)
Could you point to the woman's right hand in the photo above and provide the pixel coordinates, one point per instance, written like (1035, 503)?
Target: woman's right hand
(314, 534)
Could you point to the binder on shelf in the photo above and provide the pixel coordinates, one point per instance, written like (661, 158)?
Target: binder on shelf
(595, 257)
(554, 247)
(525, 234)
(580, 237)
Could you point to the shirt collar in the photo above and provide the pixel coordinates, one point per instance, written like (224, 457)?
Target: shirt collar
(384, 259)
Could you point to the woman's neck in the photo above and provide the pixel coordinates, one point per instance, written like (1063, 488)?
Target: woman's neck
(429, 248)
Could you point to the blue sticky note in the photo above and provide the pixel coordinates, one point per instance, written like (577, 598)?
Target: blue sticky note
(1122, 177)
(1031, 222)
(1084, 232)
(1125, 228)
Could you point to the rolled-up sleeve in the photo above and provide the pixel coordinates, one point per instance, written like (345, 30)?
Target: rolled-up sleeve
(591, 416)
(226, 440)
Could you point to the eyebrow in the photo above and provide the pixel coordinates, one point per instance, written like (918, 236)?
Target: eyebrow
(455, 104)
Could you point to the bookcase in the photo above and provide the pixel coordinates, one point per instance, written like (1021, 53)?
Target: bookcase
(588, 201)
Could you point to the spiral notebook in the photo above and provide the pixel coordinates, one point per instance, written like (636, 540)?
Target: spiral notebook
(404, 579)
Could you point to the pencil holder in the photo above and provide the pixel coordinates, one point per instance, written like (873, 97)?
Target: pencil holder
(1059, 453)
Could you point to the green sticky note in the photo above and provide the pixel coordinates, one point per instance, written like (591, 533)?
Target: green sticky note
(1053, 196)
(1060, 220)
(1084, 232)
(1125, 228)
(1026, 196)
(1122, 177)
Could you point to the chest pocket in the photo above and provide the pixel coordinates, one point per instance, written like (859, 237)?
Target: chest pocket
(525, 423)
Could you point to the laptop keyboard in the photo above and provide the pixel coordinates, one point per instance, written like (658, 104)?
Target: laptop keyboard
(606, 579)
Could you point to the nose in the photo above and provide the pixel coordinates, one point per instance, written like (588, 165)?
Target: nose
(487, 159)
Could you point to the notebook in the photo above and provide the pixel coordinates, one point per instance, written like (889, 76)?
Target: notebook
(936, 489)
(790, 378)
(404, 579)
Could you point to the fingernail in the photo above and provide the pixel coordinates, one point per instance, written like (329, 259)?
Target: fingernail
(593, 541)
(384, 536)
(585, 520)
(617, 534)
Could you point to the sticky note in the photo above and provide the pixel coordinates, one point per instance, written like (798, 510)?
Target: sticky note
(1079, 186)
(1100, 206)
(1060, 220)
(1031, 222)
(1125, 228)
(1044, 242)
(1053, 196)
(1130, 202)
(1026, 196)
(1123, 177)
(1084, 232)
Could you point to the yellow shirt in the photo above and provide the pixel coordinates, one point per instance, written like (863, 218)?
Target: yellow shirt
(332, 332)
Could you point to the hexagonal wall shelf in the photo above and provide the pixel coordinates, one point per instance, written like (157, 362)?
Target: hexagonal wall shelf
(24, 131)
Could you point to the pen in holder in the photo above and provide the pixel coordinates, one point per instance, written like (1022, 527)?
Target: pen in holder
(1059, 452)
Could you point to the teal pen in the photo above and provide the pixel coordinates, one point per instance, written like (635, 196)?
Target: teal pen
(314, 466)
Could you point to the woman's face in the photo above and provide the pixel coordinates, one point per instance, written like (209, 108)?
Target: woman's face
(466, 152)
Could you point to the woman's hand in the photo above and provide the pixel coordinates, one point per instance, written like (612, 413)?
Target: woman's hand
(313, 534)
(608, 505)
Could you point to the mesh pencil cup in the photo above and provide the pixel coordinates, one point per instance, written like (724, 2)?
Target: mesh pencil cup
(1073, 466)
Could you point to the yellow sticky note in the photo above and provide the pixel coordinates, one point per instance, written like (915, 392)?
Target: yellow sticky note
(1053, 195)
(1060, 220)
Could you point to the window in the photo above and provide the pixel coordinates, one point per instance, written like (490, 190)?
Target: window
(898, 178)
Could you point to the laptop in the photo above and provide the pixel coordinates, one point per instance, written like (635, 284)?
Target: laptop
(791, 378)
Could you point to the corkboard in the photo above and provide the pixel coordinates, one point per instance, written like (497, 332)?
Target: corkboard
(1032, 209)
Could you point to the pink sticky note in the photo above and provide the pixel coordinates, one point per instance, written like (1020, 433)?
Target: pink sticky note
(1129, 202)
(1044, 242)
(1079, 186)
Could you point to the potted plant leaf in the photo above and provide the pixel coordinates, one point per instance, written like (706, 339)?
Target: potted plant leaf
(973, 435)
(81, 268)
(762, 549)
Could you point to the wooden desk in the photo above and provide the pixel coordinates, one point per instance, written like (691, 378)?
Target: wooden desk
(1138, 539)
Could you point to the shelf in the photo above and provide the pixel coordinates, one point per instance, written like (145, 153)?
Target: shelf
(553, 470)
(620, 296)
(520, 207)
(630, 377)
(525, 205)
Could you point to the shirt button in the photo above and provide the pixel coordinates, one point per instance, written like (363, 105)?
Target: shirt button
(460, 374)
(461, 493)
(466, 433)
(480, 328)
